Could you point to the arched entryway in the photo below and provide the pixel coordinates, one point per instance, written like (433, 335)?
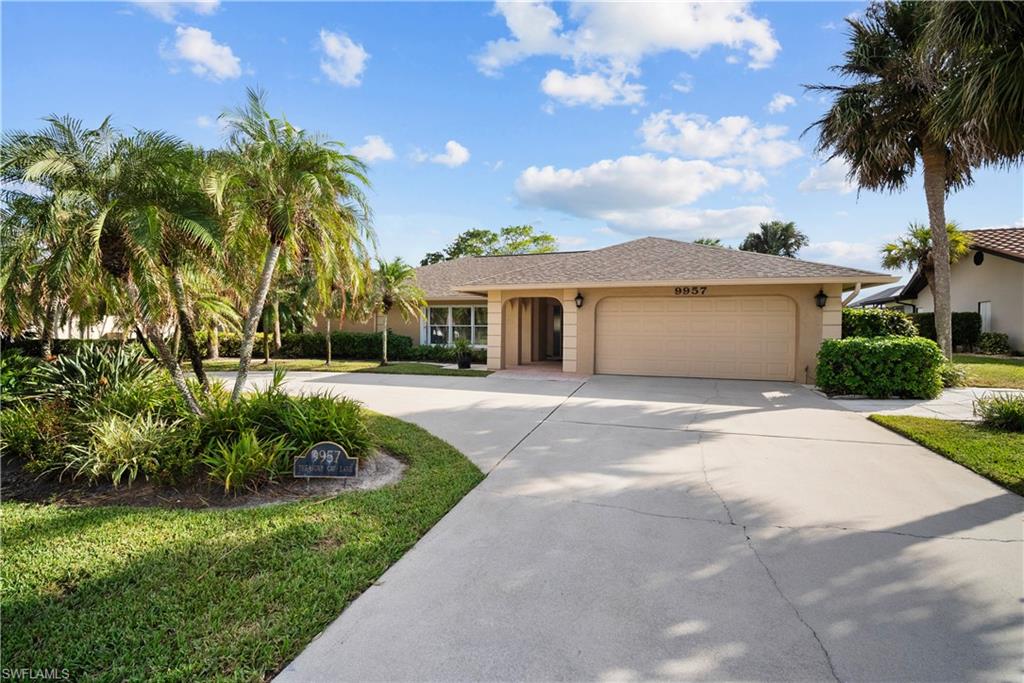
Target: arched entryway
(532, 328)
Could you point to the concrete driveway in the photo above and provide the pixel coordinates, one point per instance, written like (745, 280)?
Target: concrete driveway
(640, 528)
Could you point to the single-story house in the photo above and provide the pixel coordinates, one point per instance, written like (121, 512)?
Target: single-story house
(651, 306)
(988, 280)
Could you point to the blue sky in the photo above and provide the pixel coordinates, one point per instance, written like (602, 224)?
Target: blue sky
(597, 123)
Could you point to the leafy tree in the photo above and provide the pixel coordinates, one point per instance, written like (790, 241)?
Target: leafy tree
(708, 241)
(985, 90)
(914, 250)
(775, 237)
(885, 121)
(513, 239)
(285, 190)
(395, 287)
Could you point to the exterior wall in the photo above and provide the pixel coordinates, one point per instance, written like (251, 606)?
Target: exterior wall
(409, 328)
(999, 280)
(578, 325)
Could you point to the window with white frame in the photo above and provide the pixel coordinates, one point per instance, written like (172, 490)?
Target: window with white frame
(445, 324)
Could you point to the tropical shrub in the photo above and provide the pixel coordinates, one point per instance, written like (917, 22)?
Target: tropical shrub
(1001, 411)
(121, 447)
(36, 431)
(877, 322)
(953, 375)
(995, 343)
(15, 370)
(92, 372)
(966, 327)
(880, 367)
(246, 460)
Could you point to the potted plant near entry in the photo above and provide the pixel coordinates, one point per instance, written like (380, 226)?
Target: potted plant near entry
(463, 353)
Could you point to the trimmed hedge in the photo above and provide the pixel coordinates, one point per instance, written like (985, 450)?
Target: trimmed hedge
(877, 322)
(880, 367)
(966, 327)
(34, 347)
(347, 346)
(994, 343)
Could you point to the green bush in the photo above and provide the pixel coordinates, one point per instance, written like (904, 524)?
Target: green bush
(92, 372)
(877, 322)
(966, 327)
(246, 460)
(121, 447)
(35, 431)
(1001, 411)
(34, 347)
(880, 367)
(15, 370)
(994, 343)
(953, 375)
(344, 345)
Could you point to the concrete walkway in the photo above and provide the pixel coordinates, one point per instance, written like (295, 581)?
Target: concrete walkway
(638, 528)
(953, 404)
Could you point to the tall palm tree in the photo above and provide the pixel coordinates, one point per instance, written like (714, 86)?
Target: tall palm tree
(882, 123)
(395, 288)
(777, 238)
(985, 40)
(914, 250)
(282, 188)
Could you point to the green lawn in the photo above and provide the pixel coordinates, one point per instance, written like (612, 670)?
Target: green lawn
(423, 369)
(292, 364)
(986, 371)
(118, 593)
(996, 455)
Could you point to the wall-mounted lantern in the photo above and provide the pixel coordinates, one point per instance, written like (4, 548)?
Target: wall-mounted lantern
(579, 300)
(821, 298)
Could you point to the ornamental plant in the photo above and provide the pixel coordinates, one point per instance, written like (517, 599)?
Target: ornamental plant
(880, 367)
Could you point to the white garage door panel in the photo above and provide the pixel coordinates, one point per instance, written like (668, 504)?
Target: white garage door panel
(729, 337)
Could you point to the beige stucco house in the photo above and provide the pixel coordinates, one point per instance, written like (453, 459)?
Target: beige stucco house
(989, 280)
(652, 306)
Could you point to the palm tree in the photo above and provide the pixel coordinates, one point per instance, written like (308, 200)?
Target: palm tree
(914, 250)
(395, 287)
(986, 89)
(708, 241)
(283, 189)
(777, 238)
(882, 123)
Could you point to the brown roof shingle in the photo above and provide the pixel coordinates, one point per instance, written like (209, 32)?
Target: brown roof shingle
(439, 280)
(656, 259)
(1005, 241)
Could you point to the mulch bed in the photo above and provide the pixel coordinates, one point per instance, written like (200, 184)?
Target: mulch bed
(16, 484)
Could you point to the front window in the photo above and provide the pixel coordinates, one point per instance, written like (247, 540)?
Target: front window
(445, 324)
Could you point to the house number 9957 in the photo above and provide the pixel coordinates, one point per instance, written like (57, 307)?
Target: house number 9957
(691, 291)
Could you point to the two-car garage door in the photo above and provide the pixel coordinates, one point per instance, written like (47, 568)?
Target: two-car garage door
(741, 337)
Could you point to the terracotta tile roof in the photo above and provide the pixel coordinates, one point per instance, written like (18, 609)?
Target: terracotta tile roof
(655, 259)
(1005, 241)
(438, 280)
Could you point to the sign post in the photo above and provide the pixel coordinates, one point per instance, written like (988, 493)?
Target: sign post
(325, 460)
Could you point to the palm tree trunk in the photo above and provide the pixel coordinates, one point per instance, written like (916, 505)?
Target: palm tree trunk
(188, 332)
(384, 341)
(215, 341)
(934, 156)
(170, 361)
(327, 338)
(46, 349)
(277, 322)
(145, 344)
(266, 338)
(252, 318)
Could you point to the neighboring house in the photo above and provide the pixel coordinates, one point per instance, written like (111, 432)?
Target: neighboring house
(652, 306)
(890, 297)
(988, 280)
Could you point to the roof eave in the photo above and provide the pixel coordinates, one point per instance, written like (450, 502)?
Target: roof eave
(867, 278)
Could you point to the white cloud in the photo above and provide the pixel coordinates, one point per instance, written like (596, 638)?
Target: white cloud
(374, 148)
(168, 11)
(571, 241)
(683, 84)
(209, 59)
(780, 103)
(637, 194)
(620, 33)
(854, 254)
(734, 139)
(344, 60)
(832, 176)
(204, 121)
(454, 155)
(593, 89)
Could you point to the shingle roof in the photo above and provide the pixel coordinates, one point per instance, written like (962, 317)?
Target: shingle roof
(438, 280)
(883, 296)
(656, 259)
(1005, 241)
